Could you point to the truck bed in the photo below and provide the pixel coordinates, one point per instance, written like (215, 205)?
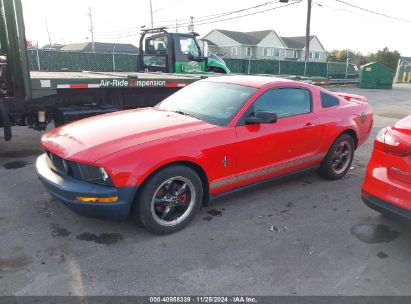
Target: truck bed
(48, 83)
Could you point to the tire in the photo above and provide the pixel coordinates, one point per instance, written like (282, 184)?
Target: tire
(339, 158)
(164, 205)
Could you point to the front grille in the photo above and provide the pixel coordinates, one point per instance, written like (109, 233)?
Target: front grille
(59, 165)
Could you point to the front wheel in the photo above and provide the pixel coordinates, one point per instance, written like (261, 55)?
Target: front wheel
(169, 200)
(339, 158)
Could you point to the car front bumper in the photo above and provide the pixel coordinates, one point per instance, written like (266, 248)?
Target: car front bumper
(65, 189)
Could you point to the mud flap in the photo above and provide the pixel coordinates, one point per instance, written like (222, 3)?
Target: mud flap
(6, 122)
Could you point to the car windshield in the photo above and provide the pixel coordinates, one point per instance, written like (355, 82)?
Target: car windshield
(215, 103)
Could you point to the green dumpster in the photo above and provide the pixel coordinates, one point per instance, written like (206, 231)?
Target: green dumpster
(375, 76)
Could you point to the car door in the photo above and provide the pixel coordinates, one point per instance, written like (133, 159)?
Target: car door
(291, 143)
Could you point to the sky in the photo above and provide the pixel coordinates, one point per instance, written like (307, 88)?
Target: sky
(337, 25)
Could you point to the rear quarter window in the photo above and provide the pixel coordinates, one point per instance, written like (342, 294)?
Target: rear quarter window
(328, 100)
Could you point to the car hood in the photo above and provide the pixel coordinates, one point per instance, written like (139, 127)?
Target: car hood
(93, 138)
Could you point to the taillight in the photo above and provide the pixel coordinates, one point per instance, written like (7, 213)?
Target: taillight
(389, 143)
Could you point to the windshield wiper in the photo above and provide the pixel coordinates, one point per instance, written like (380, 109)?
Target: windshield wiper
(185, 114)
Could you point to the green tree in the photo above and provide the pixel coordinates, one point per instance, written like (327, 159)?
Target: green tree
(337, 56)
(359, 59)
(356, 58)
(386, 58)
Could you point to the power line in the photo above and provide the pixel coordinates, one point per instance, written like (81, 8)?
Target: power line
(322, 5)
(198, 19)
(373, 12)
(215, 16)
(220, 20)
(173, 3)
(250, 14)
(212, 20)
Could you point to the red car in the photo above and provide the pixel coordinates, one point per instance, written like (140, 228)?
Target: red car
(216, 135)
(387, 185)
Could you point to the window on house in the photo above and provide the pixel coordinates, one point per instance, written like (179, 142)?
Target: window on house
(314, 55)
(248, 52)
(297, 54)
(234, 51)
(271, 52)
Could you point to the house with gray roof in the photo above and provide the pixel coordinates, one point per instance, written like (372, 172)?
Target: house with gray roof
(295, 48)
(265, 44)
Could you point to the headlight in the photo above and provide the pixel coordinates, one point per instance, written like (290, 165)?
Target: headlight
(94, 174)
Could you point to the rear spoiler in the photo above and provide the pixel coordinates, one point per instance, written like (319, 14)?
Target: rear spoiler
(351, 97)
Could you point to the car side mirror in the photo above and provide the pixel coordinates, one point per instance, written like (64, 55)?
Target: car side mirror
(262, 117)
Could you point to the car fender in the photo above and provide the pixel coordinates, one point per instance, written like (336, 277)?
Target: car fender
(205, 149)
(346, 125)
(146, 160)
(140, 175)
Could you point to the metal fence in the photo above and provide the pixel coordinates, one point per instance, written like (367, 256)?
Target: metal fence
(403, 74)
(334, 70)
(51, 60)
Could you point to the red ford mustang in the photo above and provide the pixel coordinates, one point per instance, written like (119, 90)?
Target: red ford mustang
(387, 185)
(212, 137)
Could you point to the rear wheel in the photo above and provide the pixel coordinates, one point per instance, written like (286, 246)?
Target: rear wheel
(169, 200)
(339, 158)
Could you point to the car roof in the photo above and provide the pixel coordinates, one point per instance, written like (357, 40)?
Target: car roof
(247, 80)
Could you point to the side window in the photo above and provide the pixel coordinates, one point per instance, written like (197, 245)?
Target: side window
(156, 45)
(284, 102)
(328, 101)
(188, 47)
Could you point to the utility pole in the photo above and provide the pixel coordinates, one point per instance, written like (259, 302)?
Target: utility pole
(307, 31)
(346, 66)
(177, 26)
(48, 33)
(191, 26)
(151, 13)
(307, 28)
(91, 30)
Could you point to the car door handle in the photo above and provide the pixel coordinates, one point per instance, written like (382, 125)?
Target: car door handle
(310, 125)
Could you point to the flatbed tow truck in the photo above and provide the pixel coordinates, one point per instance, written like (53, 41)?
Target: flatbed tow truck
(167, 62)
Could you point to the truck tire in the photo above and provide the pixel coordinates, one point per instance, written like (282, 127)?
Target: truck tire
(169, 200)
(339, 158)
(5, 122)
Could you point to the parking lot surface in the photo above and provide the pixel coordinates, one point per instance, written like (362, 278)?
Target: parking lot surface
(304, 236)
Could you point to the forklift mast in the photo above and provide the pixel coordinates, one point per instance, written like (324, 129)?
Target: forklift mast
(13, 48)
